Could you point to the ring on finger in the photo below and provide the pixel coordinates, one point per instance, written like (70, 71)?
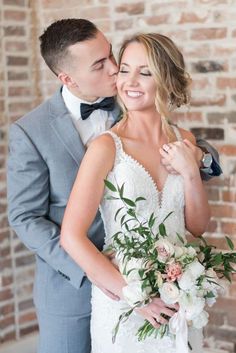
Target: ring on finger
(166, 147)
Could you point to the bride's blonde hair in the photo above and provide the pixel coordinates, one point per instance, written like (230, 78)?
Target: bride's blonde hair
(167, 66)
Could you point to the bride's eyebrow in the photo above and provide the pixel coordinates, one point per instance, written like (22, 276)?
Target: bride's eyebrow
(141, 66)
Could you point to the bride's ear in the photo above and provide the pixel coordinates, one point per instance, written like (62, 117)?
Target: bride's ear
(67, 80)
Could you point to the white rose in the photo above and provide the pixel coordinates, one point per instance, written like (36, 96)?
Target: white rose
(164, 250)
(192, 305)
(130, 269)
(186, 281)
(196, 269)
(133, 293)
(201, 320)
(169, 293)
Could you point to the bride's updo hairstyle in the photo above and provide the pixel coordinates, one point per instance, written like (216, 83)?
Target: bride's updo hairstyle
(167, 67)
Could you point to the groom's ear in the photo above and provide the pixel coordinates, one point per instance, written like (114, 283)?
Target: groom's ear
(67, 80)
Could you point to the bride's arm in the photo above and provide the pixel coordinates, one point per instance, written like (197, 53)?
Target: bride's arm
(81, 210)
(181, 157)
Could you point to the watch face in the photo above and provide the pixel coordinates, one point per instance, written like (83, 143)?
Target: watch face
(207, 160)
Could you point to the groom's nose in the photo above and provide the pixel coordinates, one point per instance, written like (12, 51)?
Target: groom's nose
(113, 68)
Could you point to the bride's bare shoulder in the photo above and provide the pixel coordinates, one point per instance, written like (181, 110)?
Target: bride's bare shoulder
(103, 146)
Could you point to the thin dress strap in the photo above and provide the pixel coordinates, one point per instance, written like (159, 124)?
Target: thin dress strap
(177, 133)
(118, 144)
(115, 138)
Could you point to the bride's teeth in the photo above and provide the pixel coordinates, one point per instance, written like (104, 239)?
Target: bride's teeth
(133, 94)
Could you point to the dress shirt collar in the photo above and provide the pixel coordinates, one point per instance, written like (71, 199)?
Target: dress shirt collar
(73, 103)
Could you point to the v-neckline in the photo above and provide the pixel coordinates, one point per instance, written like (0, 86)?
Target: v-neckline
(141, 166)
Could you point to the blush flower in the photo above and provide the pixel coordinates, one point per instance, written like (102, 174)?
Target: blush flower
(164, 250)
(174, 272)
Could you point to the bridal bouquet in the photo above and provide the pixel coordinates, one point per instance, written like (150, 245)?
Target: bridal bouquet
(187, 273)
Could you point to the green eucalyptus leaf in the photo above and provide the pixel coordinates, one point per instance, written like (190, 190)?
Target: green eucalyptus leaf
(180, 238)
(162, 230)
(203, 240)
(122, 219)
(109, 197)
(167, 216)
(210, 295)
(217, 259)
(110, 186)
(227, 276)
(230, 243)
(126, 226)
(140, 199)
(128, 202)
(121, 190)
(117, 212)
(151, 220)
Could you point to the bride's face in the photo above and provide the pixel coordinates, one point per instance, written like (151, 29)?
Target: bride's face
(135, 83)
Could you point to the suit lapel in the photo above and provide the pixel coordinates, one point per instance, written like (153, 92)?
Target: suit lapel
(64, 128)
(67, 133)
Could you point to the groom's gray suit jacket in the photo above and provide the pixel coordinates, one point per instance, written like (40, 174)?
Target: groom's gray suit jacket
(45, 152)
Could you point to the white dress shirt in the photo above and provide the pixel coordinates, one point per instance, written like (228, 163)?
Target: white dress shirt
(98, 121)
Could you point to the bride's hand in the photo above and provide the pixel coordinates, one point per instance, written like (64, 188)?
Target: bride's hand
(154, 310)
(180, 157)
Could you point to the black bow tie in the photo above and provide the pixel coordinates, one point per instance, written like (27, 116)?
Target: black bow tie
(107, 104)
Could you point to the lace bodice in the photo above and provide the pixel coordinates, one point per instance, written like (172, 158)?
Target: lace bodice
(138, 182)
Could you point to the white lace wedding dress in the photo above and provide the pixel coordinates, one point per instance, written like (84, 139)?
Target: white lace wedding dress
(105, 312)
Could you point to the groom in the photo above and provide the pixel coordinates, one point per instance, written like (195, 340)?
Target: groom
(45, 151)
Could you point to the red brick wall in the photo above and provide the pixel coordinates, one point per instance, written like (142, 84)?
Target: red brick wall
(17, 96)
(205, 30)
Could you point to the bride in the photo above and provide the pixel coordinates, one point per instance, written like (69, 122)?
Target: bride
(151, 78)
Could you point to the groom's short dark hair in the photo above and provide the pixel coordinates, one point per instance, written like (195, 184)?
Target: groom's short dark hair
(56, 39)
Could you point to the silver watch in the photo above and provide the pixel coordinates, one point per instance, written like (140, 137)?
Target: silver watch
(206, 160)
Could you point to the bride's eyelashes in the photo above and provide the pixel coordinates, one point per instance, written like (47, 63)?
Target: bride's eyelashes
(123, 71)
(146, 73)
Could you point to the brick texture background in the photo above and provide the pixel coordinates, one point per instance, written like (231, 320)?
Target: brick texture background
(205, 30)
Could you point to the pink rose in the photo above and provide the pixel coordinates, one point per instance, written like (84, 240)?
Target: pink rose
(174, 272)
(164, 250)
